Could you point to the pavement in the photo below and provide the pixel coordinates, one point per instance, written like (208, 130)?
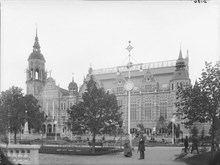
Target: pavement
(153, 156)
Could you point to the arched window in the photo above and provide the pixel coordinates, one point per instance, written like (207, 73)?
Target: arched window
(31, 74)
(37, 74)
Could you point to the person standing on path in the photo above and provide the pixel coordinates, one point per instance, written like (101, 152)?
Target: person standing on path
(141, 146)
(127, 147)
(186, 143)
(194, 144)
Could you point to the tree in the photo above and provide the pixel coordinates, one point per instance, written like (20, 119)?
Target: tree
(177, 130)
(98, 110)
(3, 124)
(35, 117)
(161, 124)
(189, 103)
(13, 107)
(202, 136)
(194, 131)
(141, 127)
(201, 102)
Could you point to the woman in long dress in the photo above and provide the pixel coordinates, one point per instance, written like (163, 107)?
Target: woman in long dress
(127, 148)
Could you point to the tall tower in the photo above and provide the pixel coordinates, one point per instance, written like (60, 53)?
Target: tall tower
(181, 74)
(36, 74)
(180, 78)
(73, 88)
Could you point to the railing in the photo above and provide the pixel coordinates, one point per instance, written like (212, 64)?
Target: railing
(124, 68)
(22, 154)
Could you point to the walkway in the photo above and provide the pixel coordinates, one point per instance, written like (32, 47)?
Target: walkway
(153, 156)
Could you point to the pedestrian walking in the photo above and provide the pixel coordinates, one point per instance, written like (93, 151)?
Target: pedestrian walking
(186, 143)
(141, 146)
(195, 144)
(127, 147)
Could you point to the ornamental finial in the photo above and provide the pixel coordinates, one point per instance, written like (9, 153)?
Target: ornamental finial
(129, 48)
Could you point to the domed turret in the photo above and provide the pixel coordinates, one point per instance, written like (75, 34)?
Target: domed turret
(36, 54)
(73, 87)
(181, 74)
(180, 63)
(36, 74)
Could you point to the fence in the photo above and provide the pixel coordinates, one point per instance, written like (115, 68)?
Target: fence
(22, 154)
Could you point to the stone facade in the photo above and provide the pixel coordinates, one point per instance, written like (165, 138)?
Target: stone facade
(152, 97)
(54, 100)
(153, 94)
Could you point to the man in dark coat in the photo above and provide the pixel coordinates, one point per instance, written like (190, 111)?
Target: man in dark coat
(195, 144)
(186, 143)
(141, 146)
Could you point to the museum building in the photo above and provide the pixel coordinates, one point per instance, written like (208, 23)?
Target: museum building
(152, 97)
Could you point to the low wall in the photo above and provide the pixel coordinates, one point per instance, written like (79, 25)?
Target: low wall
(23, 154)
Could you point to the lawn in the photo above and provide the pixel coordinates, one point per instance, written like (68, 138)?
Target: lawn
(202, 159)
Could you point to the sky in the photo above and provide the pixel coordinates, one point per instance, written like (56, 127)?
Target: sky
(76, 34)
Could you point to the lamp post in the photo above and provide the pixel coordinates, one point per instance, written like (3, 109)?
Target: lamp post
(9, 135)
(129, 85)
(55, 130)
(173, 121)
(56, 122)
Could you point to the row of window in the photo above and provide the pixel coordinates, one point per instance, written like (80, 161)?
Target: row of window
(151, 87)
(147, 109)
(63, 106)
(174, 86)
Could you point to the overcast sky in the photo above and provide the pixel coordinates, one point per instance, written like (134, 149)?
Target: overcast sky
(73, 35)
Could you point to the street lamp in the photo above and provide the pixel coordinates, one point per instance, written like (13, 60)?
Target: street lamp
(9, 135)
(173, 121)
(129, 85)
(55, 130)
(26, 131)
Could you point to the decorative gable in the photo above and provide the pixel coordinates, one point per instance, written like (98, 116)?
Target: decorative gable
(119, 81)
(119, 84)
(149, 83)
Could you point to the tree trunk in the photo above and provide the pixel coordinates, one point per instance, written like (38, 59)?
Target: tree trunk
(93, 142)
(212, 137)
(15, 137)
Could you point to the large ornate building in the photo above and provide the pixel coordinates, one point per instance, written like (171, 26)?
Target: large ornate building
(152, 97)
(53, 99)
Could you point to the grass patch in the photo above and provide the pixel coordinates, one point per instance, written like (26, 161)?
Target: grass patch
(201, 159)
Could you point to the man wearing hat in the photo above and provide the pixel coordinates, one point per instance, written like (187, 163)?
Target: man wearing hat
(141, 146)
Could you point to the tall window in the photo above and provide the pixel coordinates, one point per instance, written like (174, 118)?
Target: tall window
(31, 76)
(148, 109)
(37, 74)
(61, 106)
(148, 88)
(163, 108)
(133, 111)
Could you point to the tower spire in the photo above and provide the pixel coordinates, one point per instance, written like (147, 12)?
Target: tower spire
(36, 43)
(180, 54)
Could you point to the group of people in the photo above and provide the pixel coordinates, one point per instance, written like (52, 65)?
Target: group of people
(128, 149)
(194, 144)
